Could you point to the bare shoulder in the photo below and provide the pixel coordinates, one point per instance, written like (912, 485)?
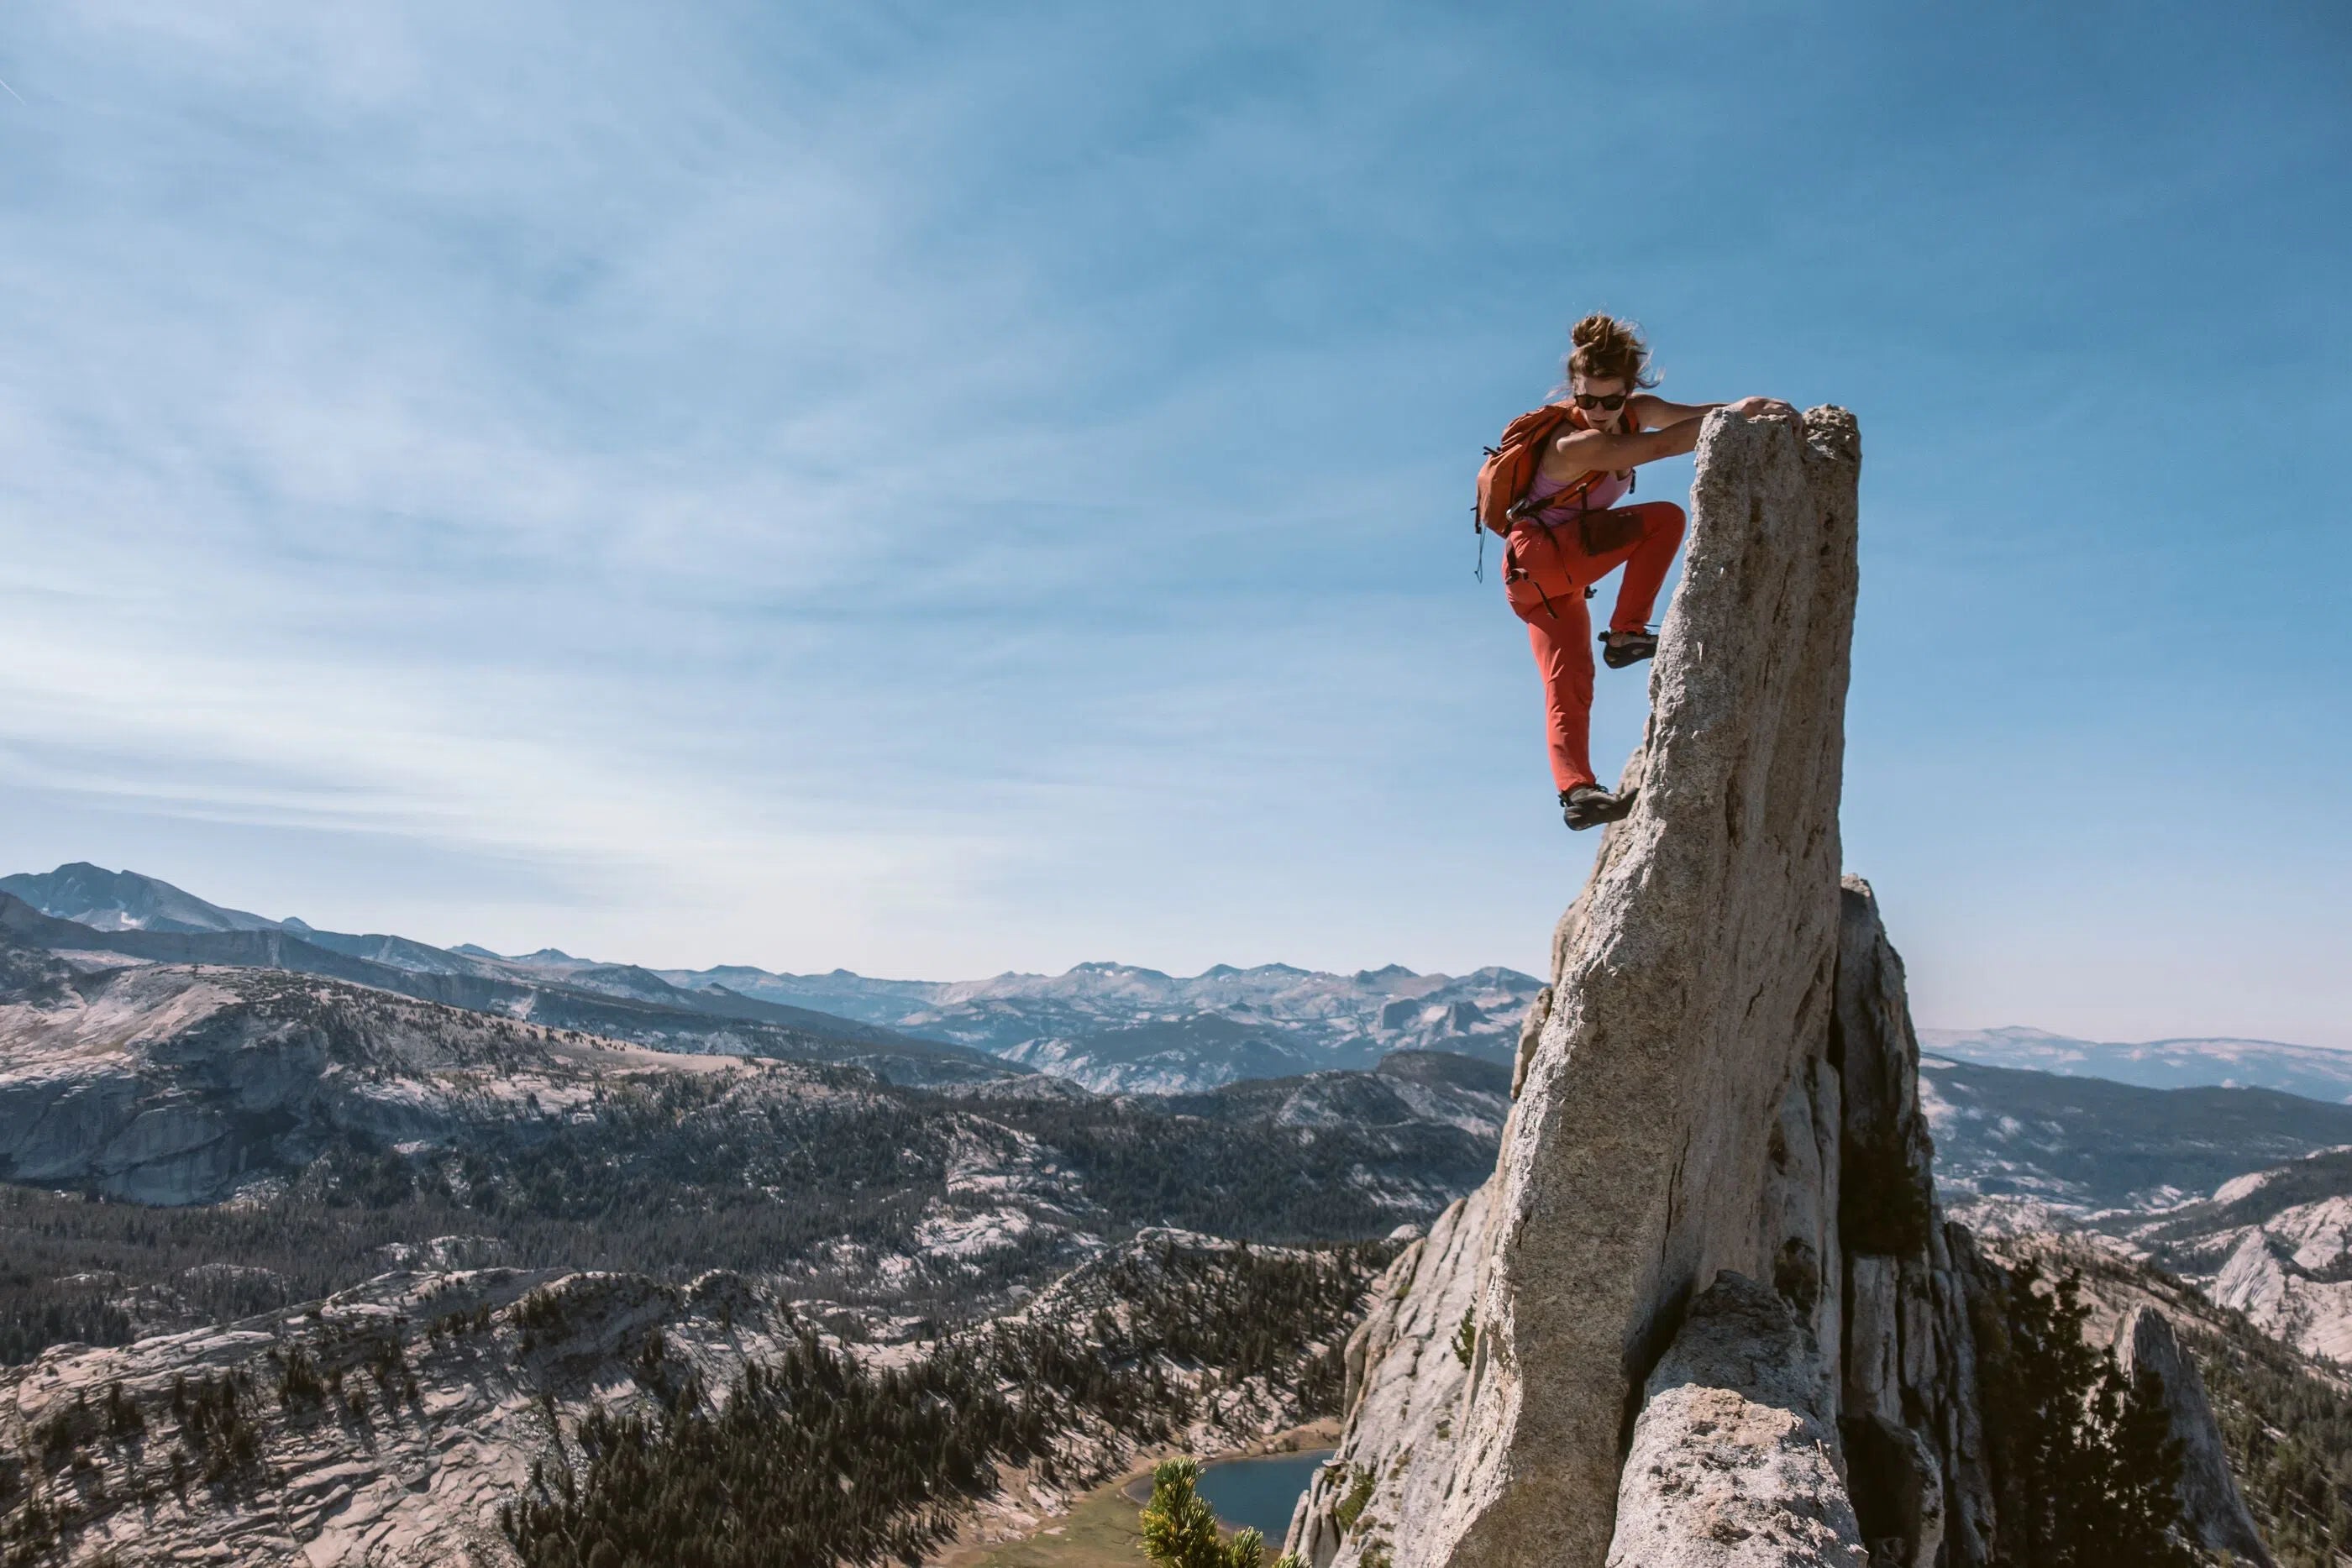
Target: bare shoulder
(1572, 453)
(1648, 411)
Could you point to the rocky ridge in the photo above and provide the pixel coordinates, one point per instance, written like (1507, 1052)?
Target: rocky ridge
(2160, 1325)
(326, 1111)
(2145, 1345)
(2084, 1145)
(632, 1005)
(2245, 1192)
(2271, 1240)
(1122, 1028)
(2276, 1245)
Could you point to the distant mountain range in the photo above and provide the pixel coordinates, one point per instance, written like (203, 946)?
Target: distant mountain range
(1116, 1026)
(2245, 1192)
(177, 1083)
(2310, 1071)
(125, 901)
(2078, 1145)
(1113, 1028)
(384, 1124)
(620, 1004)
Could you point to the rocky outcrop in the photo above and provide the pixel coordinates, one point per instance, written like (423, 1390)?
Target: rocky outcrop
(1732, 1459)
(1717, 1104)
(1686, 979)
(2211, 1505)
(1909, 1411)
(1862, 1345)
(2287, 1266)
(1407, 1363)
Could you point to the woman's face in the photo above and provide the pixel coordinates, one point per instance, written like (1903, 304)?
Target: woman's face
(1595, 395)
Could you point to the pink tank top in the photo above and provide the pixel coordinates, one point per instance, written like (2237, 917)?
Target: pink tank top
(1606, 492)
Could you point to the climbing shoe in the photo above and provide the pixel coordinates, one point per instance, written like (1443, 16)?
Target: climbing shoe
(1589, 806)
(1618, 649)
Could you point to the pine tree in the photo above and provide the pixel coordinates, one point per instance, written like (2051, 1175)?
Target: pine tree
(2141, 1484)
(1179, 1528)
(2092, 1469)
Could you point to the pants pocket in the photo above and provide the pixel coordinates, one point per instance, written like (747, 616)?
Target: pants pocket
(1536, 576)
(1606, 533)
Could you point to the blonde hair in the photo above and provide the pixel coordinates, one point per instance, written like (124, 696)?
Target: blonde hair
(1606, 348)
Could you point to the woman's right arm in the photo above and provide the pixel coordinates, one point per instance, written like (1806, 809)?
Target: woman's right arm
(1584, 451)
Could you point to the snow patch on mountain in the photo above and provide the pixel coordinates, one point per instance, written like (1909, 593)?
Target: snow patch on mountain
(949, 1235)
(1123, 1028)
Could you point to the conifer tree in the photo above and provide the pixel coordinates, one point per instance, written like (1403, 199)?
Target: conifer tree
(1179, 1528)
(2093, 1471)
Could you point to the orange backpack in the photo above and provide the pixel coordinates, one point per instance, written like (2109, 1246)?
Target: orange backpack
(1510, 469)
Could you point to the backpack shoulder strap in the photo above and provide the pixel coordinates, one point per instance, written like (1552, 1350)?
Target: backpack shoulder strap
(1566, 414)
(1511, 464)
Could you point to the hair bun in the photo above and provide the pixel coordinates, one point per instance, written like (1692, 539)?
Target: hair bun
(1607, 347)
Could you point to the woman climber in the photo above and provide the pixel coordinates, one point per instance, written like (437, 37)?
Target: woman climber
(1551, 489)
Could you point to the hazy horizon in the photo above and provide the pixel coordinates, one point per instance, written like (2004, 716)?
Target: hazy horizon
(1017, 971)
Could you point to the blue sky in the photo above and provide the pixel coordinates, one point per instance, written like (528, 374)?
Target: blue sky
(942, 489)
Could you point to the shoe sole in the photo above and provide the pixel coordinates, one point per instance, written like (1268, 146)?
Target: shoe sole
(1625, 810)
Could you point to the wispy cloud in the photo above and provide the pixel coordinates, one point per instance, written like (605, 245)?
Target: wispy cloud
(942, 489)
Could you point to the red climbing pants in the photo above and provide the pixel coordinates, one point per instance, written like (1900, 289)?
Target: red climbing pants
(1547, 566)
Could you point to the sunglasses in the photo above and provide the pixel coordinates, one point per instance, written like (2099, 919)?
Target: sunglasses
(1613, 402)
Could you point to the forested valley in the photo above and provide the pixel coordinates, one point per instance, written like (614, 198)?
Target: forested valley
(659, 1302)
(812, 1457)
